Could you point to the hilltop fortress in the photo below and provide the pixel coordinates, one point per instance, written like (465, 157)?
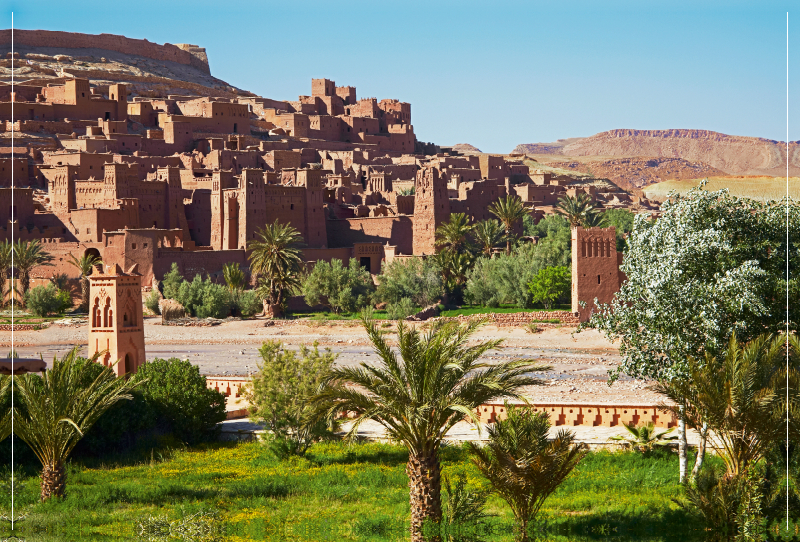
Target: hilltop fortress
(150, 180)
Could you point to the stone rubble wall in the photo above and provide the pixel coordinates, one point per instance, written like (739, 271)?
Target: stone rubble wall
(518, 318)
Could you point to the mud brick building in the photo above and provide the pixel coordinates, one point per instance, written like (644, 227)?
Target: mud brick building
(145, 181)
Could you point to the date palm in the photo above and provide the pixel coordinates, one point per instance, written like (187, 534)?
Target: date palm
(644, 438)
(522, 465)
(509, 210)
(57, 409)
(453, 235)
(5, 264)
(27, 255)
(738, 395)
(277, 258)
(85, 265)
(488, 234)
(575, 208)
(594, 219)
(437, 381)
(5, 407)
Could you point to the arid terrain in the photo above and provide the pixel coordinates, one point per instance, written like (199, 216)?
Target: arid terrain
(634, 159)
(580, 362)
(754, 187)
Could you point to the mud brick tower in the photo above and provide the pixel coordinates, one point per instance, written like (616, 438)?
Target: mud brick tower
(116, 327)
(431, 208)
(595, 268)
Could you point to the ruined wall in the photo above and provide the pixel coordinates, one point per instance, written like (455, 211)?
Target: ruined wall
(394, 230)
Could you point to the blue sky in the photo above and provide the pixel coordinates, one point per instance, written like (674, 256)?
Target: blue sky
(493, 74)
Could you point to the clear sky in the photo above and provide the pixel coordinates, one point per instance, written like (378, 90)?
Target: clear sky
(490, 73)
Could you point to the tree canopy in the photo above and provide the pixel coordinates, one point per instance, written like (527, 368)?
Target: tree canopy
(712, 265)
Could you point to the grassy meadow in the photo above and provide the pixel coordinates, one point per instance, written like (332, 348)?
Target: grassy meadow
(337, 492)
(753, 187)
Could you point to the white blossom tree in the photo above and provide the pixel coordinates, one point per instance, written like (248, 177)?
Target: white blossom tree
(710, 266)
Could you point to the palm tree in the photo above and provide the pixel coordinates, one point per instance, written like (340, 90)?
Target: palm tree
(27, 255)
(509, 211)
(738, 395)
(454, 234)
(522, 465)
(56, 409)
(594, 219)
(5, 264)
(438, 381)
(277, 258)
(5, 402)
(645, 438)
(488, 234)
(85, 264)
(575, 208)
(234, 276)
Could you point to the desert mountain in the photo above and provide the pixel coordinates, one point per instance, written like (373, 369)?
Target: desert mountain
(735, 155)
(148, 69)
(465, 148)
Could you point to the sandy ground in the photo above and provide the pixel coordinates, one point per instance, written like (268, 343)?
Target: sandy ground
(579, 362)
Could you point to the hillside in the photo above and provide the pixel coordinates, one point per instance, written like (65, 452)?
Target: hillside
(754, 187)
(149, 69)
(734, 155)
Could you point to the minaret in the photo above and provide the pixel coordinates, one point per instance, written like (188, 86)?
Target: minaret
(116, 323)
(431, 208)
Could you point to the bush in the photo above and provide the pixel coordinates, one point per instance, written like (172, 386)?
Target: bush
(550, 284)
(400, 310)
(152, 302)
(279, 394)
(417, 279)
(178, 394)
(342, 289)
(204, 299)
(45, 300)
(171, 282)
(505, 278)
(249, 303)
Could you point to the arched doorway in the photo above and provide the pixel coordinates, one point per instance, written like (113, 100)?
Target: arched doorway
(92, 252)
(126, 365)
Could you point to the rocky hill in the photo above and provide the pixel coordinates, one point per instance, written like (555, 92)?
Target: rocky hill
(735, 155)
(635, 173)
(466, 148)
(149, 69)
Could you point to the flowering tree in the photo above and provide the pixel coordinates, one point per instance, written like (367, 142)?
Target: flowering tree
(711, 266)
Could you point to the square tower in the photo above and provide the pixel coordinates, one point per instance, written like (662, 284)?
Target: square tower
(595, 269)
(431, 208)
(116, 326)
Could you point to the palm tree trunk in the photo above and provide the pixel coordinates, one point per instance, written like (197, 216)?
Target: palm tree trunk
(522, 535)
(682, 447)
(701, 450)
(25, 284)
(54, 481)
(84, 293)
(425, 485)
(508, 241)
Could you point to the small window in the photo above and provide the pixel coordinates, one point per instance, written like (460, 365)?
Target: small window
(598, 279)
(133, 246)
(291, 206)
(144, 245)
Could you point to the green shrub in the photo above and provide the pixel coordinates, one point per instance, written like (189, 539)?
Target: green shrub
(505, 278)
(417, 279)
(178, 394)
(342, 289)
(171, 282)
(400, 310)
(249, 303)
(550, 284)
(204, 299)
(152, 302)
(279, 394)
(46, 300)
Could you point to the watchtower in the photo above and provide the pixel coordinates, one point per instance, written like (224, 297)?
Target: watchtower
(595, 269)
(116, 326)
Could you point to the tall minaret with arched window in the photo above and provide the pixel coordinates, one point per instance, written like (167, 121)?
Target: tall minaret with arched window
(116, 323)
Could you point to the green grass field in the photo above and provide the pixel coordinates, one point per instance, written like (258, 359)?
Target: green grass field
(503, 309)
(758, 188)
(338, 492)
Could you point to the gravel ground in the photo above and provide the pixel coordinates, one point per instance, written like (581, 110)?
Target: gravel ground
(579, 362)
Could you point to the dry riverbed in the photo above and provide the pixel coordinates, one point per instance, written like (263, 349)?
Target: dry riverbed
(579, 362)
